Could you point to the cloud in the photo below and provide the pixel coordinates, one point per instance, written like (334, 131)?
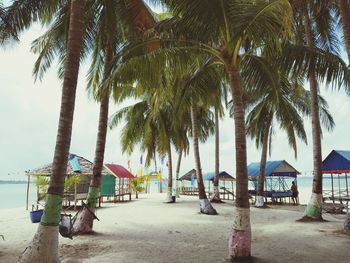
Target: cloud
(29, 116)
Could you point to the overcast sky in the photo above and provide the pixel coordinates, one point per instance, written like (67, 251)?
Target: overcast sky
(29, 118)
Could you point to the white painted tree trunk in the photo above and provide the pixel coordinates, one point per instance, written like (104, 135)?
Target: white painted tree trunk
(43, 248)
(216, 195)
(169, 195)
(205, 207)
(314, 207)
(241, 235)
(84, 222)
(177, 188)
(259, 202)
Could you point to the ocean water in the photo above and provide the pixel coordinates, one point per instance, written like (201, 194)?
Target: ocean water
(14, 195)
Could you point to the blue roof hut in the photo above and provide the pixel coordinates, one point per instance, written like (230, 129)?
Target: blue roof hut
(278, 177)
(335, 169)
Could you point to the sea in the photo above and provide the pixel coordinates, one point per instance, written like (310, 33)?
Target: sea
(14, 195)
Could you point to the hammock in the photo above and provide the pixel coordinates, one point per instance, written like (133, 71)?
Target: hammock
(67, 221)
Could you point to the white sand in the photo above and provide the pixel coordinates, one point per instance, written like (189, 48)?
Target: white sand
(147, 230)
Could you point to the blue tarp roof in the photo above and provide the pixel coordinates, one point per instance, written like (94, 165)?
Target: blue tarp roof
(191, 175)
(73, 160)
(222, 176)
(336, 162)
(273, 168)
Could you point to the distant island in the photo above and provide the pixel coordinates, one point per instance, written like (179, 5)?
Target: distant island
(12, 182)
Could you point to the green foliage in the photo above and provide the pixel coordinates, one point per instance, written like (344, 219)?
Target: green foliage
(42, 183)
(136, 185)
(72, 181)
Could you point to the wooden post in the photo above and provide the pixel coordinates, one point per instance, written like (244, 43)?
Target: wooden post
(332, 188)
(75, 196)
(339, 194)
(27, 198)
(346, 183)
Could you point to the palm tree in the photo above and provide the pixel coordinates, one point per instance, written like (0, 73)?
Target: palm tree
(218, 113)
(285, 103)
(231, 23)
(233, 32)
(148, 123)
(344, 10)
(204, 204)
(313, 209)
(102, 36)
(44, 246)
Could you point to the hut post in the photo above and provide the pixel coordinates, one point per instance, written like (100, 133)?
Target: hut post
(332, 188)
(233, 197)
(27, 196)
(339, 192)
(346, 183)
(75, 195)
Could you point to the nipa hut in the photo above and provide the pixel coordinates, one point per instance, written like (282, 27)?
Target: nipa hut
(278, 178)
(335, 169)
(77, 166)
(116, 183)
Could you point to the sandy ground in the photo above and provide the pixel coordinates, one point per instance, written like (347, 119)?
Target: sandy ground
(148, 230)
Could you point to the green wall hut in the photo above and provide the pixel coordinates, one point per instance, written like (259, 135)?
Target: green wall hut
(77, 166)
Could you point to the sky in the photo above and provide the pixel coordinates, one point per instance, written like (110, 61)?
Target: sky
(29, 119)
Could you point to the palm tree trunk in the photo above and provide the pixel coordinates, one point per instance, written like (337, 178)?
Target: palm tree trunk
(344, 10)
(170, 176)
(44, 246)
(216, 196)
(313, 209)
(204, 205)
(177, 174)
(240, 238)
(260, 194)
(84, 222)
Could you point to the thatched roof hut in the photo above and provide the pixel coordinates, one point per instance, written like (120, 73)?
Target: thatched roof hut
(77, 166)
(84, 167)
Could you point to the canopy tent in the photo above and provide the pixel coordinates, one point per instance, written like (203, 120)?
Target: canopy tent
(109, 185)
(77, 166)
(273, 168)
(189, 175)
(337, 164)
(277, 173)
(222, 176)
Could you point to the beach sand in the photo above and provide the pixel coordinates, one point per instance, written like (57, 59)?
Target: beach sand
(148, 230)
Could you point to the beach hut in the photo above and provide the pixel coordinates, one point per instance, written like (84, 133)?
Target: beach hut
(278, 178)
(336, 185)
(190, 176)
(77, 166)
(116, 183)
(226, 182)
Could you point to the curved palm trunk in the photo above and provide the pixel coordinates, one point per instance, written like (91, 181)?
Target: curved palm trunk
(314, 207)
(84, 222)
(177, 174)
(344, 9)
(170, 176)
(216, 196)
(205, 206)
(44, 246)
(240, 238)
(261, 180)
